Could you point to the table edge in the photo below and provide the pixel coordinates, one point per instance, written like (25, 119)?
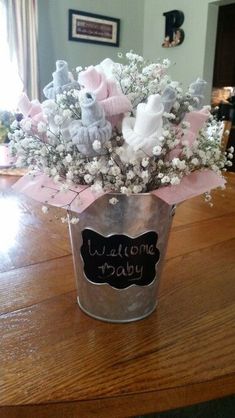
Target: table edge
(129, 404)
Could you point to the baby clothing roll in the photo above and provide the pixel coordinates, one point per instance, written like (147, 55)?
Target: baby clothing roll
(106, 91)
(31, 110)
(168, 98)
(196, 119)
(94, 81)
(92, 112)
(28, 108)
(143, 132)
(197, 90)
(92, 127)
(106, 66)
(62, 81)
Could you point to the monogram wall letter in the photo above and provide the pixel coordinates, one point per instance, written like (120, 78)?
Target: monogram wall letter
(174, 35)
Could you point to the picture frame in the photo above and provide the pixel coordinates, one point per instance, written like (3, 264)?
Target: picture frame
(93, 28)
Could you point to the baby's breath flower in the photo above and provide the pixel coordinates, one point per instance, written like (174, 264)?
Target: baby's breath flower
(74, 220)
(208, 197)
(185, 125)
(64, 220)
(42, 127)
(88, 178)
(58, 119)
(144, 174)
(166, 63)
(130, 175)
(97, 188)
(68, 158)
(113, 201)
(96, 145)
(64, 187)
(125, 190)
(180, 164)
(157, 150)
(165, 179)
(67, 113)
(45, 209)
(69, 175)
(14, 124)
(137, 188)
(93, 167)
(115, 171)
(175, 180)
(60, 148)
(165, 133)
(195, 161)
(170, 116)
(27, 125)
(145, 162)
(53, 171)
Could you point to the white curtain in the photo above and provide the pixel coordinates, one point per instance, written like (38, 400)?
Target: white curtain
(10, 82)
(22, 20)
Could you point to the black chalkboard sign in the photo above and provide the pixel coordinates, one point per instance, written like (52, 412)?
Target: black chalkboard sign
(119, 260)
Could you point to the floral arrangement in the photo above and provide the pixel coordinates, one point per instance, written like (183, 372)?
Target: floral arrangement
(121, 127)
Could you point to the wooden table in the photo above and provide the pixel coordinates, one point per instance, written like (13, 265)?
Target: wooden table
(57, 362)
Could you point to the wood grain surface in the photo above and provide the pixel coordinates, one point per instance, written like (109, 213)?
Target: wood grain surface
(57, 362)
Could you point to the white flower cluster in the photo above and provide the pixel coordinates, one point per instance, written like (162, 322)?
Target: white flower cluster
(139, 79)
(51, 141)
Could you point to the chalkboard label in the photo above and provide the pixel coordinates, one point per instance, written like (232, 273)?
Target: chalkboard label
(118, 259)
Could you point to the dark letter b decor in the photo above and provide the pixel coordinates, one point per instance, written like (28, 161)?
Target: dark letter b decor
(174, 35)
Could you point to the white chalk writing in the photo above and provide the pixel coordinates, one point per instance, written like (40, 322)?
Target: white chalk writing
(108, 270)
(122, 250)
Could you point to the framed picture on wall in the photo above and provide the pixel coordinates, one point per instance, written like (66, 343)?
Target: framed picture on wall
(97, 29)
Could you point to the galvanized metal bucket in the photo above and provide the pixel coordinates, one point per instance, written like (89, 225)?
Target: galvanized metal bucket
(118, 253)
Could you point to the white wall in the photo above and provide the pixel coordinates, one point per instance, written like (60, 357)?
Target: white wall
(142, 29)
(195, 56)
(53, 33)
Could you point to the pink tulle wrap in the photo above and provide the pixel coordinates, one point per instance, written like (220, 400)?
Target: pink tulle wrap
(44, 190)
(31, 109)
(196, 119)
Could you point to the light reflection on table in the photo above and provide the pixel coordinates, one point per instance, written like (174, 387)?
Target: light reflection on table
(10, 215)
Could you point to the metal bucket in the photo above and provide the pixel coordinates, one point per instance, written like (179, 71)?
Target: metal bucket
(118, 253)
